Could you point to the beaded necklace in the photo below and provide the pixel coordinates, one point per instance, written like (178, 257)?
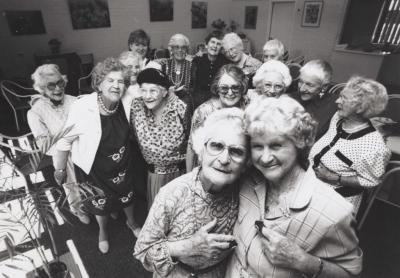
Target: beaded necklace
(178, 76)
(105, 109)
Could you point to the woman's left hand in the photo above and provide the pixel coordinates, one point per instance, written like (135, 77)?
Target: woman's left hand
(325, 174)
(280, 250)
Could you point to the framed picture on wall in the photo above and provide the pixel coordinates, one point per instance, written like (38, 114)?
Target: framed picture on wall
(250, 17)
(25, 22)
(312, 13)
(88, 14)
(161, 10)
(199, 15)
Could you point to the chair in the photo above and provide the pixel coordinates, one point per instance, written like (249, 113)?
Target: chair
(18, 97)
(383, 191)
(85, 84)
(337, 88)
(298, 60)
(161, 53)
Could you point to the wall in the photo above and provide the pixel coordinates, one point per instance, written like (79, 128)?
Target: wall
(16, 53)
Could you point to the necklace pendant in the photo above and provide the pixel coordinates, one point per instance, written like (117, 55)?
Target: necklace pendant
(178, 72)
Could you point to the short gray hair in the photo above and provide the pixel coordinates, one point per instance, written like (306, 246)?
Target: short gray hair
(273, 66)
(320, 68)
(175, 38)
(275, 44)
(370, 95)
(42, 73)
(129, 55)
(234, 39)
(285, 116)
(226, 117)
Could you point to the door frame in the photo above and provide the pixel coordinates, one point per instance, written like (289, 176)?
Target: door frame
(270, 9)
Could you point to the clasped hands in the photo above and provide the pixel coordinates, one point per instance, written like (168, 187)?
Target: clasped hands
(205, 248)
(326, 175)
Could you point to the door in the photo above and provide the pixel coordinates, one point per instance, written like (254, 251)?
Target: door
(281, 23)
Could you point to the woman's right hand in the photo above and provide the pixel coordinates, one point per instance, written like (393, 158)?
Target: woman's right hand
(203, 248)
(60, 176)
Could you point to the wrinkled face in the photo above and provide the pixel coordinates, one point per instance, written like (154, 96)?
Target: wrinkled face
(270, 54)
(274, 155)
(272, 85)
(224, 156)
(309, 85)
(54, 87)
(152, 95)
(233, 52)
(112, 87)
(133, 66)
(179, 50)
(347, 103)
(229, 91)
(214, 46)
(140, 48)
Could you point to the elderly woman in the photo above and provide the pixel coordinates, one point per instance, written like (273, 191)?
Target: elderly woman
(313, 87)
(188, 230)
(132, 61)
(205, 68)
(47, 117)
(161, 123)
(178, 68)
(99, 143)
(290, 224)
(139, 42)
(273, 50)
(352, 155)
(272, 79)
(233, 49)
(228, 90)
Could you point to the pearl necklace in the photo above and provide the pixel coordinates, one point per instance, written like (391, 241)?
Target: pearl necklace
(178, 73)
(105, 109)
(356, 128)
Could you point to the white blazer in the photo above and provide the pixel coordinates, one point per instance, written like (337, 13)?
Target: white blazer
(84, 137)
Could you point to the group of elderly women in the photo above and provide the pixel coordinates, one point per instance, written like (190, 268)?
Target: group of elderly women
(236, 189)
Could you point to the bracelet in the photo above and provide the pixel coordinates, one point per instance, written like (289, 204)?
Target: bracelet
(60, 170)
(339, 180)
(319, 271)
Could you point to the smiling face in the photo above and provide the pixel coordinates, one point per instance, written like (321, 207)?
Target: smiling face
(54, 87)
(271, 85)
(274, 155)
(309, 85)
(229, 91)
(152, 95)
(213, 46)
(220, 170)
(179, 50)
(140, 48)
(233, 52)
(112, 87)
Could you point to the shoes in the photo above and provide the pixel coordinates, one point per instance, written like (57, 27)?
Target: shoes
(83, 217)
(114, 215)
(135, 230)
(104, 246)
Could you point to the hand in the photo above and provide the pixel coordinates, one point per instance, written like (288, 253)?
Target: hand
(281, 251)
(60, 176)
(325, 174)
(205, 248)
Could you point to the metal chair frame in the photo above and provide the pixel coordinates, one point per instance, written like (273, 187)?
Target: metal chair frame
(15, 109)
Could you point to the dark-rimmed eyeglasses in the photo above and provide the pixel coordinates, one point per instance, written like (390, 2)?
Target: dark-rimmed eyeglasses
(179, 47)
(52, 85)
(236, 153)
(224, 89)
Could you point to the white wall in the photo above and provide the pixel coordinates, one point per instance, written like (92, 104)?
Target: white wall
(16, 55)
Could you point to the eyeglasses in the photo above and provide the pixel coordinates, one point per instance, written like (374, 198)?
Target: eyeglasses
(224, 89)
(270, 89)
(179, 47)
(52, 85)
(236, 153)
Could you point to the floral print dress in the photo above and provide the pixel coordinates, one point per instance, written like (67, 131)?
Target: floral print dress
(111, 174)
